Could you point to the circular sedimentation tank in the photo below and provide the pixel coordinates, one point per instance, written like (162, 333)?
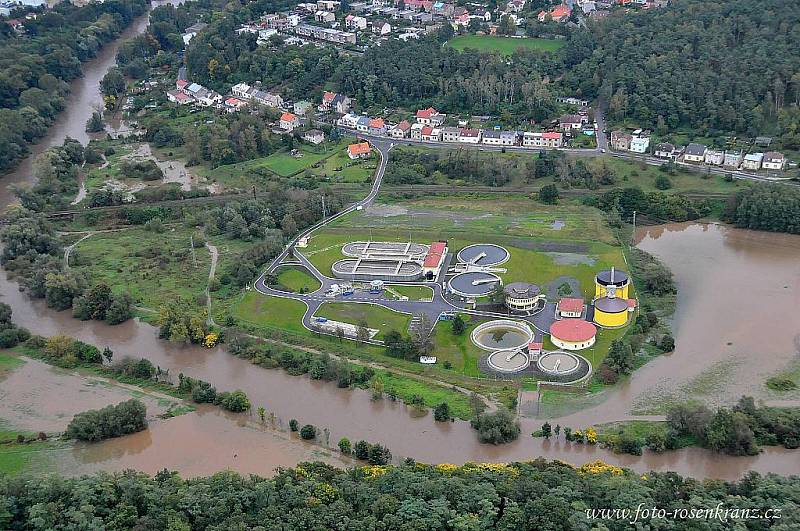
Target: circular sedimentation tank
(508, 361)
(473, 284)
(558, 363)
(483, 254)
(502, 334)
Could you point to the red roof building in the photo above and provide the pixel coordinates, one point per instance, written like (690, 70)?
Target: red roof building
(356, 151)
(570, 306)
(376, 123)
(552, 135)
(572, 334)
(435, 256)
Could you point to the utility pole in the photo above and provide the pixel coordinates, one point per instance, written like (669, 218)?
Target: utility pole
(323, 207)
(633, 235)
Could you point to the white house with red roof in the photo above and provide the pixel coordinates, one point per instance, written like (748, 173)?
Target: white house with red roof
(358, 151)
(430, 116)
(569, 307)
(549, 139)
(177, 96)
(289, 121)
(233, 104)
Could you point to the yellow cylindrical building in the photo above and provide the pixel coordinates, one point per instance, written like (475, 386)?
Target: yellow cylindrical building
(611, 312)
(611, 280)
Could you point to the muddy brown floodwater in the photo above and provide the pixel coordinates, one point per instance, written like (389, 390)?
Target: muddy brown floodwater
(702, 256)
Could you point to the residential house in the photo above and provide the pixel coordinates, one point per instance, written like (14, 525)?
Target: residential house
(401, 130)
(193, 30)
(450, 134)
(620, 140)
(268, 99)
(509, 138)
(416, 131)
(639, 144)
(695, 153)
(178, 96)
(358, 151)
(752, 161)
(348, 120)
(362, 126)
(377, 126)
(324, 16)
(443, 9)
(550, 139)
(491, 137)
(733, 159)
(328, 5)
(469, 136)
(242, 91)
(461, 20)
(334, 102)
(301, 107)
(515, 6)
(559, 13)
(381, 28)
(355, 22)
(715, 157)
(181, 84)
(289, 121)
(430, 116)
(774, 160)
(315, 136)
(431, 134)
(325, 34)
(233, 104)
(664, 150)
(572, 122)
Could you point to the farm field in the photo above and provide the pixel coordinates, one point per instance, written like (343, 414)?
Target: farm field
(504, 45)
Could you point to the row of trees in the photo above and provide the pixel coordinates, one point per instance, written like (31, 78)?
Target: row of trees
(738, 430)
(36, 66)
(773, 208)
(518, 496)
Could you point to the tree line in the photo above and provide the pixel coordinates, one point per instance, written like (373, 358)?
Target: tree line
(517, 496)
(36, 66)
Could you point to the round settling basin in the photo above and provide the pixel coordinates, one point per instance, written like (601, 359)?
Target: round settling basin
(502, 335)
(473, 284)
(558, 363)
(483, 254)
(509, 361)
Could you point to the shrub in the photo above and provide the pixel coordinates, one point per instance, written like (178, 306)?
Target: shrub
(308, 432)
(111, 421)
(344, 446)
(361, 450)
(441, 412)
(293, 424)
(781, 383)
(497, 427)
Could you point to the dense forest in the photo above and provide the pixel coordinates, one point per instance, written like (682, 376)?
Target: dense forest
(774, 208)
(519, 496)
(36, 66)
(713, 66)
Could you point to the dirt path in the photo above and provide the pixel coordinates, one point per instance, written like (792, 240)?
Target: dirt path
(68, 249)
(214, 256)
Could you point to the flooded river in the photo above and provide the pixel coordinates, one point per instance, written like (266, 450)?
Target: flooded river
(736, 322)
(702, 258)
(84, 98)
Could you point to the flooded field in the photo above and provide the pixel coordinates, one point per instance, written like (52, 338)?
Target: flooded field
(37, 397)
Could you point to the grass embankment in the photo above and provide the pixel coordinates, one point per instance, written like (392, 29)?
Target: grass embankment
(296, 280)
(377, 317)
(641, 430)
(504, 45)
(414, 293)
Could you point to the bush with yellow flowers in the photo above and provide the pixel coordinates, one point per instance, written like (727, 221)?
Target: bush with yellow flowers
(211, 340)
(591, 435)
(599, 467)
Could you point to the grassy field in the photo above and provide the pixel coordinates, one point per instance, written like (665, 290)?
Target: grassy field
(284, 164)
(407, 388)
(504, 45)
(458, 350)
(414, 293)
(644, 176)
(153, 267)
(339, 168)
(270, 312)
(376, 317)
(297, 280)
